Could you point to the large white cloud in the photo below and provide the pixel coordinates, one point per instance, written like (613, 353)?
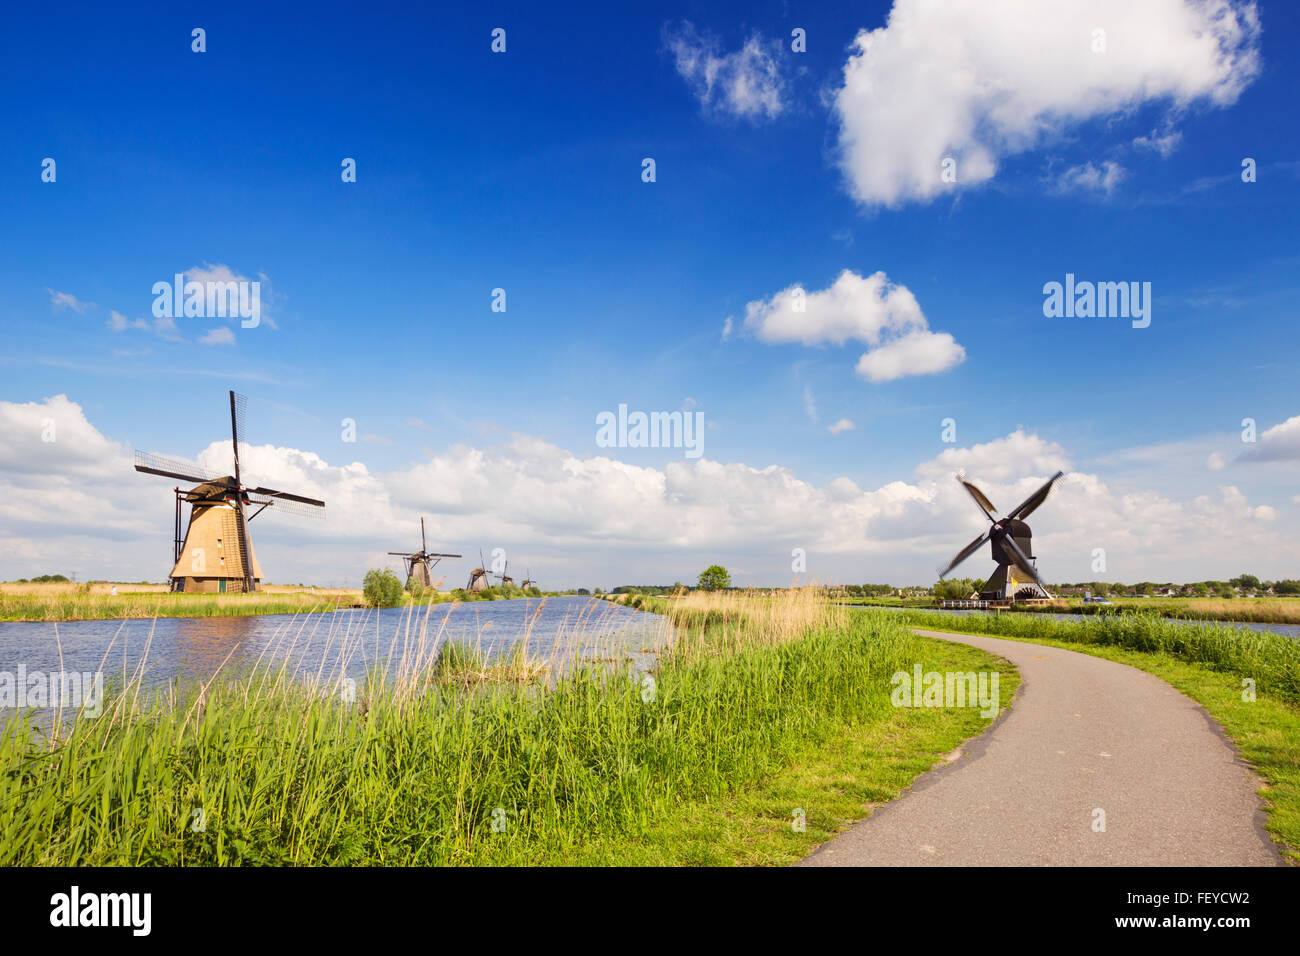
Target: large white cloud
(977, 81)
(75, 504)
(872, 310)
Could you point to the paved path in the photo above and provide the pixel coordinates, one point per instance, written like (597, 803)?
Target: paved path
(1084, 733)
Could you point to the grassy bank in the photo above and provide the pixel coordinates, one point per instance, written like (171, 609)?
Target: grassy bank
(755, 709)
(73, 604)
(1240, 610)
(1206, 663)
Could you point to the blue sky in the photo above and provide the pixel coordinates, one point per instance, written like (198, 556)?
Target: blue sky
(522, 170)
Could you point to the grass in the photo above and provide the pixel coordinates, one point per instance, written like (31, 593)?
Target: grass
(755, 707)
(1208, 667)
(1271, 660)
(95, 601)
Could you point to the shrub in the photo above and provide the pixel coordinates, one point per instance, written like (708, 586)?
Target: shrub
(381, 588)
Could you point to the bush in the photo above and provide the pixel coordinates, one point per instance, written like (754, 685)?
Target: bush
(381, 588)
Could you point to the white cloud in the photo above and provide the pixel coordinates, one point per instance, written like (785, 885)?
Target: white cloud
(843, 425)
(1091, 178)
(1279, 443)
(76, 504)
(726, 328)
(883, 315)
(981, 81)
(746, 83)
(917, 353)
(218, 336)
(66, 300)
(1215, 462)
(120, 323)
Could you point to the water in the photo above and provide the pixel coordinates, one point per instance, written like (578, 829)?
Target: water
(186, 650)
(1288, 630)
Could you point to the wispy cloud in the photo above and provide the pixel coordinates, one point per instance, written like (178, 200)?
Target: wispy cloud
(745, 83)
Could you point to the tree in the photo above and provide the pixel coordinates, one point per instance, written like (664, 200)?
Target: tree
(381, 588)
(1100, 588)
(1287, 587)
(714, 578)
(1247, 582)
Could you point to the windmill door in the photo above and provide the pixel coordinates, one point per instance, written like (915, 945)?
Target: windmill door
(221, 585)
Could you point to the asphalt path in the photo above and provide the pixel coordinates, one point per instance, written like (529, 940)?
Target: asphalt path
(1083, 735)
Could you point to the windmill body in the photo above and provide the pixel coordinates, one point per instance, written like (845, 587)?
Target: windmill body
(215, 555)
(1011, 542)
(419, 564)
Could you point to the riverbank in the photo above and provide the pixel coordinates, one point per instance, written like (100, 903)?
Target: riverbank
(95, 601)
(1211, 665)
(766, 725)
(1236, 610)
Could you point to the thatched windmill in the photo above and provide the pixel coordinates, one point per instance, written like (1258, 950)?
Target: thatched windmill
(216, 553)
(478, 578)
(528, 582)
(504, 579)
(419, 563)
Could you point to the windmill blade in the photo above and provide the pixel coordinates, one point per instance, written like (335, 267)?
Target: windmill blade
(424, 542)
(238, 403)
(965, 553)
(404, 554)
(1037, 498)
(981, 499)
(435, 554)
(1022, 561)
(245, 553)
(271, 492)
(171, 468)
(295, 506)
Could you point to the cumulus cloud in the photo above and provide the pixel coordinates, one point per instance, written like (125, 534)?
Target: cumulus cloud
(977, 82)
(843, 425)
(1279, 443)
(75, 503)
(883, 315)
(745, 83)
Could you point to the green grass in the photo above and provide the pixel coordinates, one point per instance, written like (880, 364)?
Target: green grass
(759, 707)
(1272, 660)
(75, 606)
(1207, 668)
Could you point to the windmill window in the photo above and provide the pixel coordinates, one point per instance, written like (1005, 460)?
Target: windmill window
(218, 542)
(223, 561)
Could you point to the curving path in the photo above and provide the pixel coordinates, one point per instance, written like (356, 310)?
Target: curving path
(1084, 733)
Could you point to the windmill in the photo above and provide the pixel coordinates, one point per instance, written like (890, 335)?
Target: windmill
(216, 553)
(528, 582)
(478, 578)
(1012, 547)
(418, 562)
(505, 579)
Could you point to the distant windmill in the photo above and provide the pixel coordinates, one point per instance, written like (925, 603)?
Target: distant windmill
(505, 579)
(1012, 547)
(216, 554)
(528, 582)
(478, 578)
(419, 563)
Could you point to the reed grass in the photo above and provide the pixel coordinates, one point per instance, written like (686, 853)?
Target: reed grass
(444, 755)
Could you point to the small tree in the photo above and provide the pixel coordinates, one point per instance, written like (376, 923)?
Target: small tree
(381, 588)
(714, 578)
